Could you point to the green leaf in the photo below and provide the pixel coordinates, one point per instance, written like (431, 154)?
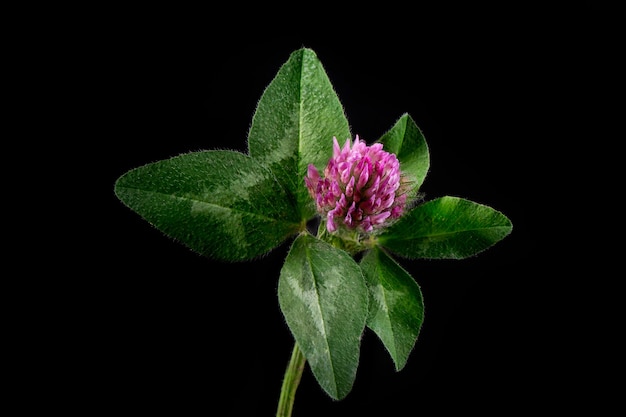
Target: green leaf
(294, 124)
(406, 140)
(396, 308)
(221, 204)
(447, 227)
(323, 296)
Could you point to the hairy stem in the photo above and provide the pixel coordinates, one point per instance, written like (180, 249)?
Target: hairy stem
(291, 382)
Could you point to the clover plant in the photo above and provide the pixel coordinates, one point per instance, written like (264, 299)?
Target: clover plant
(351, 212)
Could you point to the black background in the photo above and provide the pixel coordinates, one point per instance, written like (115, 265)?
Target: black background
(520, 112)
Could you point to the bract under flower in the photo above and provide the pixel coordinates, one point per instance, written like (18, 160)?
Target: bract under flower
(362, 188)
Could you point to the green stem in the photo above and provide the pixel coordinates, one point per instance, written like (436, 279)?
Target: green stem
(291, 382)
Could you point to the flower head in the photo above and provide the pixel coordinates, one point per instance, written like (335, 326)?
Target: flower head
(362, 189)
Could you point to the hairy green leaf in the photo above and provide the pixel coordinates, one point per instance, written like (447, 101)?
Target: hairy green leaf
(396, 308)
(221, 204)
(447, 227)
(406, 140)
(294, 124)
(324, 299)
